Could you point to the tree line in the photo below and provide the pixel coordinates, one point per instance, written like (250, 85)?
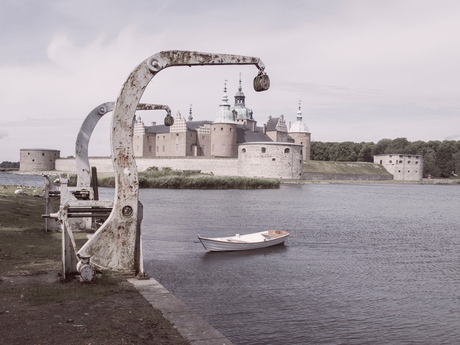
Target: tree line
(440, 158)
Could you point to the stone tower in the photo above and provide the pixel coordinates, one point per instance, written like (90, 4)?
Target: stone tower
(299, 132)
(223, 131)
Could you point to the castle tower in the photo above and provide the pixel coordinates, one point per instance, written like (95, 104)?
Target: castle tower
(243, 115)
(299, 132)
(139, 140)
(223, 130)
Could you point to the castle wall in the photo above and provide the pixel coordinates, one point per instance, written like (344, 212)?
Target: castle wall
(217, 166)
(271, 160)
(38, 159)
(403, 167)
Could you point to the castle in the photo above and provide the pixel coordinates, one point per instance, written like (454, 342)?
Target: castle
(231, 145)
(233, 126)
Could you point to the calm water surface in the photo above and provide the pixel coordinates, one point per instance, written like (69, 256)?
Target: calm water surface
(22, 180)
(365, 264)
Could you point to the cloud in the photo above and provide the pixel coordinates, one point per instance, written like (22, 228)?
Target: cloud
(354, 64)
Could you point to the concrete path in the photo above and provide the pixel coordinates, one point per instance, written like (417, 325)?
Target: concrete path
(191, 326)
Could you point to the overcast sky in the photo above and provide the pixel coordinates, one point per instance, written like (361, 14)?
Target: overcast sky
(364, 70)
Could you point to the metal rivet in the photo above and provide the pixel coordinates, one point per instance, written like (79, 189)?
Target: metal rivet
(102, 110)
(154, 65)
(127, 211)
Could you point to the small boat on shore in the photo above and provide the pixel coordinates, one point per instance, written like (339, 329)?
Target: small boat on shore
(244, 242)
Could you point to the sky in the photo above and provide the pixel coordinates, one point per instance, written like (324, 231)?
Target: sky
(363, 70)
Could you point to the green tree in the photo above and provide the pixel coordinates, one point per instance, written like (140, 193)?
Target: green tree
(380, 147)
(365, 154)
(444, 158)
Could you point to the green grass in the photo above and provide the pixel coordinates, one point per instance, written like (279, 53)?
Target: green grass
(344, 168)
(178, 179)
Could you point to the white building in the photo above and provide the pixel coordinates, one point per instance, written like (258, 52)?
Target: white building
(403, 167)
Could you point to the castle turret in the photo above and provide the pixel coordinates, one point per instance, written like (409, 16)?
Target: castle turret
(243, 115)
(223, 130)
(301, 135)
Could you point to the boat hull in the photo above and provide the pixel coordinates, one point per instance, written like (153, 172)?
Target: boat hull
(244, 242)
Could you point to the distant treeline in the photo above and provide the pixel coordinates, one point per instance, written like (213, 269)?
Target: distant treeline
(441, 158)
(9, 165)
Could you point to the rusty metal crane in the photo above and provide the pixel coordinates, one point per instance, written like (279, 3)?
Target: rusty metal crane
(117, 243)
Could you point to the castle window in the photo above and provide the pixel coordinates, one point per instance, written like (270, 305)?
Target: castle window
(390, 161)
(202, 148)
(33, 160)
(177, 134)
(273, 159)
(157, 148)
(137, 148)
(408, 162)
(286, 150)
(158, 137)
(264, 149)
(43, 154)
(223, 148)
(221, 128)
(416, 162)
(177, 147)
(203, 137)
(400, 161)
(230, 129)
(28, 153)
(243, 150)
(214, 128)
(163, 149)
(150, 148)
(382, 162)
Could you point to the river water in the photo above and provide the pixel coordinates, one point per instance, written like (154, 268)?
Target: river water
(365, 263)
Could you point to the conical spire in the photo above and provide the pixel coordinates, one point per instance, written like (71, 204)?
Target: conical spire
(299, 113)
(190, 117)
(224, 115)
(299, 126)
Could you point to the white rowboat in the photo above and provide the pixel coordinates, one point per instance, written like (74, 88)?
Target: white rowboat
(244, 242)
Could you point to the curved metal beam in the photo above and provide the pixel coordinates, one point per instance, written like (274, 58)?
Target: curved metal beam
(116, 244)
(84, 135)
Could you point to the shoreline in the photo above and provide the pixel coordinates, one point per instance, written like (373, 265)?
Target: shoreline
(424, 181)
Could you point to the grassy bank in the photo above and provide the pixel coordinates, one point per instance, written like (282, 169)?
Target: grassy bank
(344, 168)
(178, 179)
(37, 308)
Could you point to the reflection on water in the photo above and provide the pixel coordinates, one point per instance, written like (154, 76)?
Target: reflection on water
(364, 264)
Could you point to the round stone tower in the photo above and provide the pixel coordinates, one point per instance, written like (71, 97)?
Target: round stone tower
(223, 131)
(301, 135)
